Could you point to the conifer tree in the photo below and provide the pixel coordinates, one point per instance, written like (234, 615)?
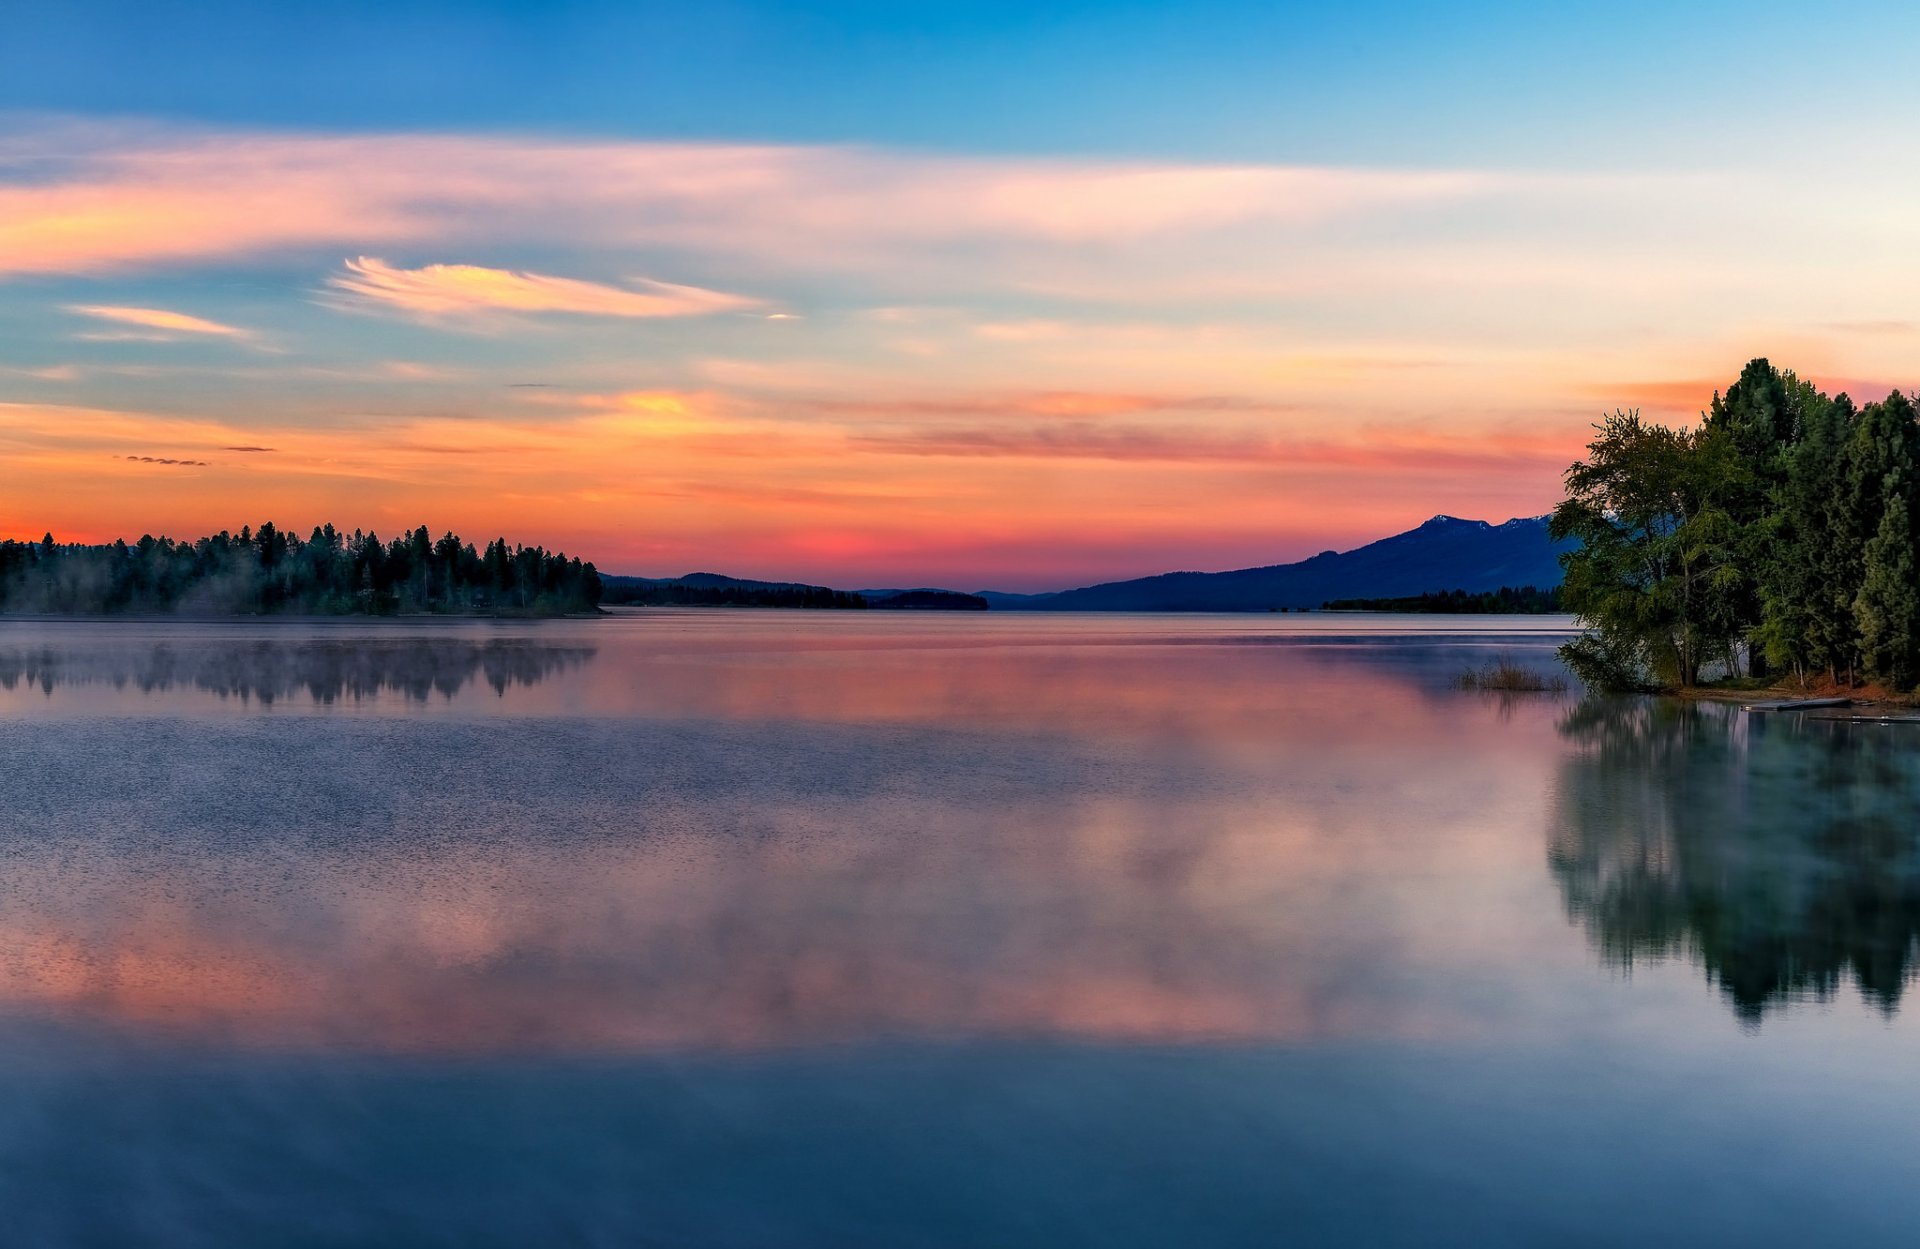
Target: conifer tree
(1885, 455)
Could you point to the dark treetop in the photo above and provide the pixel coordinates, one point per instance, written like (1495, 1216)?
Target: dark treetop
(328, 574)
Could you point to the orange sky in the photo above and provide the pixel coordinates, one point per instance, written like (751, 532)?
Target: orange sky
(860, 366)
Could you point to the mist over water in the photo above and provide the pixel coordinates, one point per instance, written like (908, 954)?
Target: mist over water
(787, 928)
(322, 667)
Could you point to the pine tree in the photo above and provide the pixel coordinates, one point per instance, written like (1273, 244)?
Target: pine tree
(1878, 512)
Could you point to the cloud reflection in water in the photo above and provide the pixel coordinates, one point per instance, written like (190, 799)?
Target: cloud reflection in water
(773, 846)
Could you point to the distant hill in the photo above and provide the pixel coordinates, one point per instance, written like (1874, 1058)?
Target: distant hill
(1446, 553)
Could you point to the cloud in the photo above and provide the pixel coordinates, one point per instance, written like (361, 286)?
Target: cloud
(1874, 329)
(159, 319)
(50, 373)
(1399, 452)
(79, 201)
(155, 459)
(454, 291)
(1061, 403)
(1685, 395)
(673, 479)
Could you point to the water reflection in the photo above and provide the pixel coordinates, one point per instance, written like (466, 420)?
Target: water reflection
(1782, 853)
(268, 670)
(789, 844)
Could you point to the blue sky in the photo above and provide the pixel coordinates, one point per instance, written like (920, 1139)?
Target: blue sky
(1368, 82)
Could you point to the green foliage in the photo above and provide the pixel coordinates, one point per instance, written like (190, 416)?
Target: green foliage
(329, 574)
(1656, 572)
(1813, 553)
(1886, 607)
(1784, 529)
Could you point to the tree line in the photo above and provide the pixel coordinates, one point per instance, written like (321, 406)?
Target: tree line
(262, 571)
(1777, 536)
(1523, 600)
(643, 592)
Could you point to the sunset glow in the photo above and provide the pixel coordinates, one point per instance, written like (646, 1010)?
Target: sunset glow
(962, 361)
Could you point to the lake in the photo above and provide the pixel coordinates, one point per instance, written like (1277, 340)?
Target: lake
(884, 929)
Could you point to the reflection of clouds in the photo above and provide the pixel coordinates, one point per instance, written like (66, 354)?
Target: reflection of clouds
(763, 852)
(1263, 689)
(1780, 853)
(325, 670)
(1096, 920)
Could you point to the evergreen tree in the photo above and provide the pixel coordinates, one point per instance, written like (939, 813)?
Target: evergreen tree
(1887, 605)
(1806, 583)
(274, 571)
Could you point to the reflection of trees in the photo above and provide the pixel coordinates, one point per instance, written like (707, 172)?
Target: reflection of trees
(324, 669)
(1780, 852)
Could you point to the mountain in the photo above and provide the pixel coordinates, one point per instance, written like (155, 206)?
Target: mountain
(1446, 553)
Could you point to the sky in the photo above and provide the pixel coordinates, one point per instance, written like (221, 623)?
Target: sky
(985, 296)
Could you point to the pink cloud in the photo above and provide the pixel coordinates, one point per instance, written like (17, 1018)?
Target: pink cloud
(1397, 453)
(159, 319)
(104, 199)
(441, 291)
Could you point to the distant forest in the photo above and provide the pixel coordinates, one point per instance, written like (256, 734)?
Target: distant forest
(712, 590)
(267, 571)
(1779, 536)
(1506, 601)
(637, 592)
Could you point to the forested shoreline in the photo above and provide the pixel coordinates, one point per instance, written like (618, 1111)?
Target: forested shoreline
(644, 592)
(267, 571)
(1775, 539)
(1523, 600)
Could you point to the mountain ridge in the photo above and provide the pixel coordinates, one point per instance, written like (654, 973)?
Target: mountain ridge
(1443, 553)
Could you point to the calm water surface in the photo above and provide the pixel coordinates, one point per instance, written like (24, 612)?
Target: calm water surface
(796, 929)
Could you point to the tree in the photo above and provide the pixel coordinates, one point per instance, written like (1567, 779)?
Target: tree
(1761, 418)
(273, 570)
(1656, 575)
(1886, 451)
(1808, 585)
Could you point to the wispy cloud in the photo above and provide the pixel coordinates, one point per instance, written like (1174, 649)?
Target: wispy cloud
(1398, 453)
(1061, 403)
(47, 373)
(442, 291)
(143, 197)
(164, 322)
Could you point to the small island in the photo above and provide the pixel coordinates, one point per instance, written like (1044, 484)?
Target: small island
(266, 571)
